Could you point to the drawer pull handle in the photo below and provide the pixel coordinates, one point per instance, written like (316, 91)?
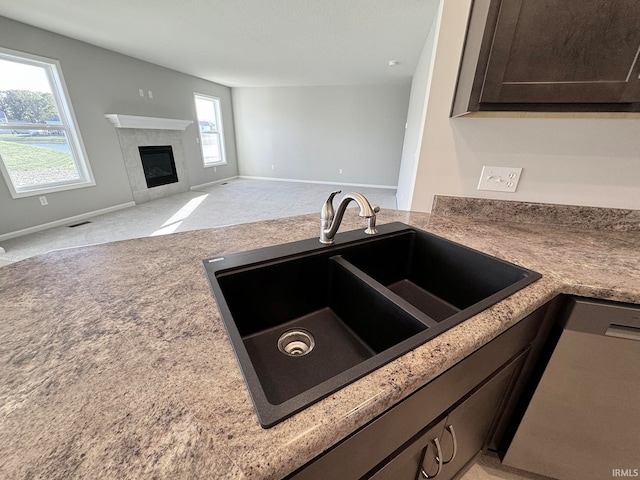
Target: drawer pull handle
(452, 432)
(436, 442)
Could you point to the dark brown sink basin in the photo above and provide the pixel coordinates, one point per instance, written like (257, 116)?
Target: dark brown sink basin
(305, 319)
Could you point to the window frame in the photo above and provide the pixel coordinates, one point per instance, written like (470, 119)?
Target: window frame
(217, 102)
(68, 124)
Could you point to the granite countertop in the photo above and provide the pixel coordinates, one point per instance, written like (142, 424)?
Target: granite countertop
(114, 362)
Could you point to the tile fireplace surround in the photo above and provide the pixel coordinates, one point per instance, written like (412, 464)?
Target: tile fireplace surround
(131, 137)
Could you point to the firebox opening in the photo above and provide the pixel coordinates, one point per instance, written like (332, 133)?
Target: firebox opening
(158, 164)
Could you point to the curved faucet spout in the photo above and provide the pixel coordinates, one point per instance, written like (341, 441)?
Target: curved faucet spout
(329, 223)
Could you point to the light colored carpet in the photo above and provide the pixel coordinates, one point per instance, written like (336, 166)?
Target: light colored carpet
(236, 201)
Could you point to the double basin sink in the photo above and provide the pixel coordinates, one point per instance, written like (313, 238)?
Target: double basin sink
(306, 319)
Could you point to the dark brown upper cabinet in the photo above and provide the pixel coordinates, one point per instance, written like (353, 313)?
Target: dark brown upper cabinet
(551, 56)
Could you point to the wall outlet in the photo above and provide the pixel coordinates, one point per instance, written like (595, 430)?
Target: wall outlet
(499, 179)
(43, 200)
(273, 167)
(340, 171)
(150, 94)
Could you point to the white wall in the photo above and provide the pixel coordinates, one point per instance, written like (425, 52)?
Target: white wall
(592, 162)
(310, 133)
(415, 121)
(100, 81)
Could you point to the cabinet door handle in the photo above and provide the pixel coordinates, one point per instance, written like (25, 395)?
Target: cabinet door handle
(452, 432)
(436, 442)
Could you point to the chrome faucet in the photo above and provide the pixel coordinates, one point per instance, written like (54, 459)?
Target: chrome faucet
(330, 220)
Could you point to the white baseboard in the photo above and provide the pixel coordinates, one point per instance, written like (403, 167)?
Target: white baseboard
(367, 185)
(215, 182)
(65, 221)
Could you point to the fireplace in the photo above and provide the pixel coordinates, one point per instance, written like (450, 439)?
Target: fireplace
(159, 165)
(131, 139)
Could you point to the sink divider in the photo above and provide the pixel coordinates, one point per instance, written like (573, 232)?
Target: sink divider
(385, 292)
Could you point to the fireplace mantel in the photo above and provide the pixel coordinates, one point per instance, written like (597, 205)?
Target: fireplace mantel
(154, 123)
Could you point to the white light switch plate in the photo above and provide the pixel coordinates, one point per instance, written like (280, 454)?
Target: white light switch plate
(499, 179)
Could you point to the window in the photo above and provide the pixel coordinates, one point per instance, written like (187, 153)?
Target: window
(40, 148)
(210, 127)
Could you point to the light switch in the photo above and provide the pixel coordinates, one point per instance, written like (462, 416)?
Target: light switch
(499, 179)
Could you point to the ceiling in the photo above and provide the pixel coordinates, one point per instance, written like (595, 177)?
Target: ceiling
(250, 42)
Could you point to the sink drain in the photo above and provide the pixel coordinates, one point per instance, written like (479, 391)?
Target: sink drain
(296, 343)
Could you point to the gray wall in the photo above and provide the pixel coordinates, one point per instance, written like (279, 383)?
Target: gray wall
(310, 133)
(415, 117)
(100, 81)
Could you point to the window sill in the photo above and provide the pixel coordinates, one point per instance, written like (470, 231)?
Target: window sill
(51, 189)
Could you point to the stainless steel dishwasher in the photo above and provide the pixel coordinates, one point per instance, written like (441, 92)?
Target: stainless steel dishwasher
(583, 420)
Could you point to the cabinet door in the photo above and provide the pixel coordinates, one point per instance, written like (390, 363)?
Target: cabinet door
(564, 51)
(443, 449)
(469, 424)
(420, 454)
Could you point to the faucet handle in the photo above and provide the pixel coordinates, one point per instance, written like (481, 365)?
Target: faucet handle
(371, 222)
(327, 211)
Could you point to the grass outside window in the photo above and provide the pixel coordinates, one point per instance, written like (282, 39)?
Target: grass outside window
(30, 160)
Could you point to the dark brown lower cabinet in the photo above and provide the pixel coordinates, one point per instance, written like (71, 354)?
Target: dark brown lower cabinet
(445, 448)
(458, 406)
(419, 454)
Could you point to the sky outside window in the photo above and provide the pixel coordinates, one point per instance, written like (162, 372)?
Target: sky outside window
(17, 76)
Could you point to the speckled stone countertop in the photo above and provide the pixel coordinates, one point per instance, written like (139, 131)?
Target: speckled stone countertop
(114, 362)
